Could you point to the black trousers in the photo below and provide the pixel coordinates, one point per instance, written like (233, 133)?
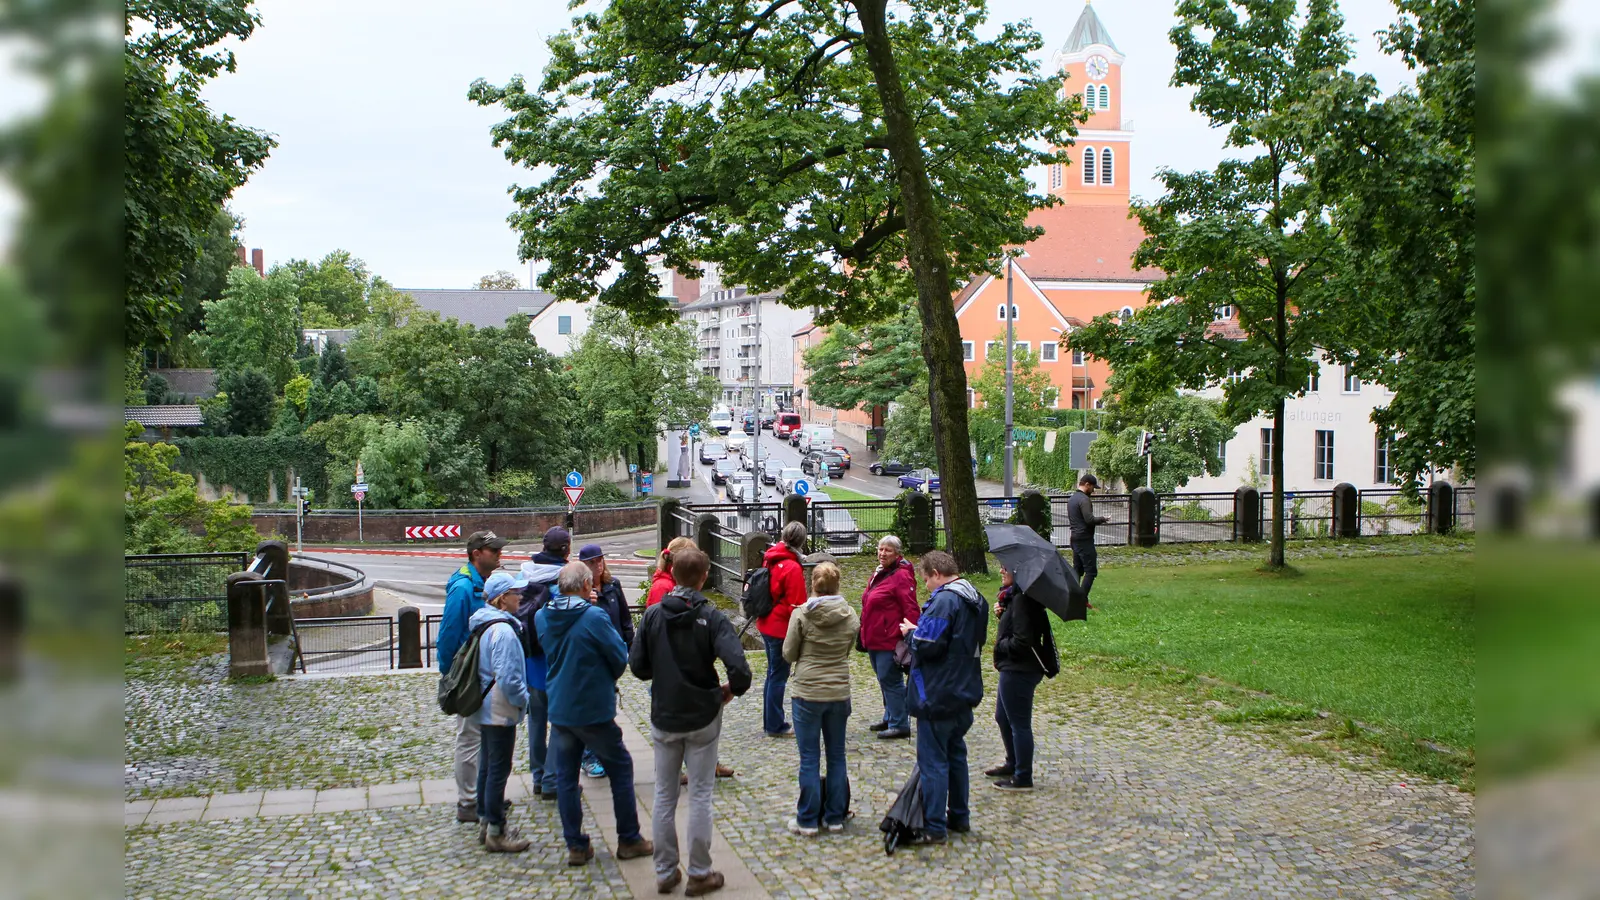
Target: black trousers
(1085, 562)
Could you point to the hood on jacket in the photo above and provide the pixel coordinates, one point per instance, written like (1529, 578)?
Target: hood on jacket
(828, 610)
(563, 612)
(963, 588)
(778, 553)
(541, 572)
(679, 603)
(489, 614)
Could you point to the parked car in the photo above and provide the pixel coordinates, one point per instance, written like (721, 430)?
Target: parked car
(742, 488)
(711, 451)
(722, 469)
(770, 470)
(751, 460)
(1000, 509)
(815, 437)
(834, 527)
(767, 420)
(889, 467)
(787, 424)
(921, 480)
(843, 452)
(749, 425)
(816, 463)
(787, 476)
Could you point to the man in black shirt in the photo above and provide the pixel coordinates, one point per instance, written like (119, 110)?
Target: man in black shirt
(1081, 522)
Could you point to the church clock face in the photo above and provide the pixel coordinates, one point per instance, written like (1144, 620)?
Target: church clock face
(1098, 67)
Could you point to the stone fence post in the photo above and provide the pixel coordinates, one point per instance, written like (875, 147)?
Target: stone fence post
(247, 625)
(410, 637)
(1247, 515)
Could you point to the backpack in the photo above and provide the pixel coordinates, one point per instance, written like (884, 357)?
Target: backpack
(459, 690)
(756, 602)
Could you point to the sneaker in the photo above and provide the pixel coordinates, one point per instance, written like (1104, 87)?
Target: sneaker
(538, 789)
(483, 831)
(925, 839)
(668, 884)
(703, 884)
(724, 771)
(594, 769)
(635, 849)
(879, 726)
(796, 828)
(1001, 771)
(835, 828)
(786, 731)
(466, 813)
(894, 734)
(577, 857)
(960, 827)
(507, 841)
(547, 795)
(1011, 785)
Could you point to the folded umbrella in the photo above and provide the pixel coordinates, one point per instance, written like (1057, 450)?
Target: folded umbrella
(1039, 570)
(904, 821)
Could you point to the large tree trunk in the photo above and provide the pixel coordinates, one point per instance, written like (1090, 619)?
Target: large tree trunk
(1276, 558)
(925, 252)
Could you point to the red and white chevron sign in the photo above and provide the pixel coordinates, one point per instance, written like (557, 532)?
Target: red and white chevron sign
(415, 532)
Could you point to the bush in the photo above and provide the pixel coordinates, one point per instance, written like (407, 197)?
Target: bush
(599, 492)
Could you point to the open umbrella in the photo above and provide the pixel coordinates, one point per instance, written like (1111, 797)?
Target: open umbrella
(904, 821)
(1040, 571)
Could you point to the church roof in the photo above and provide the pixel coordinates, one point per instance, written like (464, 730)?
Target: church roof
(1085, 243)
(1088, 32)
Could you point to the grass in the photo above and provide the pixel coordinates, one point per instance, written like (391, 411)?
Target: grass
(835, 492)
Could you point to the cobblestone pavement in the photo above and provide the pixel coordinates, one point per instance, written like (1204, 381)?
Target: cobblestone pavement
(1131, 801)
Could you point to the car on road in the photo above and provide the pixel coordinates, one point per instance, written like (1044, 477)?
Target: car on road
(1000, 509)
(921, 480)
(842, 451)
(835, 527)
(787, 476)
(711, 451)
(786, 425)
(890, 467)
(751, 460)
(817, 463)
(767, 419)
(722, 420)
(742, 488)
(749, 424)
(737, 442)
(770, 470)
(722, 469)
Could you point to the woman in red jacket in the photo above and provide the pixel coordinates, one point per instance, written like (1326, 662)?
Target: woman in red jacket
(891, 596)
(788, 583)
(661, 583)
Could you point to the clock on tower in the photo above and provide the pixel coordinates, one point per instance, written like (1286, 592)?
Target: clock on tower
(1097, 67)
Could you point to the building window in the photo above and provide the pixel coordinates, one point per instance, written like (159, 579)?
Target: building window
(1352, 384)
(1055, 176)
(1052, 398)
(563, 324)
(1224, 313)
(1047, 351)
(1324, 467)
(1088, 165)
(1266, 452)
(1099, 403)
(1077, 358)
(1314, 382)
(1105, 96)
(1222, 454)
(992, 348)
(1021, 347)
(966, 351)
(1000, 312)
(1234, 376)
(1383, 470)
(1107, 170)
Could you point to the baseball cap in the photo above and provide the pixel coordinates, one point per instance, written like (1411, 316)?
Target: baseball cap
(482, 539)
(590, 551)
(500, 582)
(557, 537)
(1087, 478)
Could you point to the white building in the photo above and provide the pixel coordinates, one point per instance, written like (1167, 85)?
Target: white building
(734, 329)
(558, 326)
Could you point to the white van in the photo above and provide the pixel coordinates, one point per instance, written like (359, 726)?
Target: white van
(816, 437)
(722, 420)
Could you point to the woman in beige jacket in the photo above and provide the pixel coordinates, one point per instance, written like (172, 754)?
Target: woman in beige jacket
(821, 635)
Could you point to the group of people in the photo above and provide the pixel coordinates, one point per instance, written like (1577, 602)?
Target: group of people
(556, 637)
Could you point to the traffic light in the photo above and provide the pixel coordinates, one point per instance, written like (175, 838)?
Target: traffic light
(1146, 439)
(305, 507)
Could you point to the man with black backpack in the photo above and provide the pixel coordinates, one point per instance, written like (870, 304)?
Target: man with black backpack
(463, 596)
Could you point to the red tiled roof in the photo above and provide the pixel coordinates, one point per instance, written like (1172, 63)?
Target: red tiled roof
(1093, 243)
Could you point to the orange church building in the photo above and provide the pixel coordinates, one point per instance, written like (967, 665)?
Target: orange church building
(1081, 267)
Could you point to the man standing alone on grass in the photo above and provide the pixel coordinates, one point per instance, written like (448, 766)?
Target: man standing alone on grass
(463, 596)
(585, 657)
(678, 643)
(1081, 523)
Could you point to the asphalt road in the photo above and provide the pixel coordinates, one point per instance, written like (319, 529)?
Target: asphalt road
(856, 478)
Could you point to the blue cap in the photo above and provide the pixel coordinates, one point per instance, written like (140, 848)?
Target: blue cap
(591, 551)
(500, 582)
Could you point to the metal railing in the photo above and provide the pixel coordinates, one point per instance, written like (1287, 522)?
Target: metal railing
(1307, 514)
(347, 643)
(430, 640)
(170, 592)
(1389, 511)
(1112, 506)
(848, 527)
(1466, 509)
(726, 556)
(1191, 518)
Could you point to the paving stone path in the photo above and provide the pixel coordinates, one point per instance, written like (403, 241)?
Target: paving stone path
(1132, 801)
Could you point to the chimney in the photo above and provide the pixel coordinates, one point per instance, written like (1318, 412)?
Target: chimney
(258, 258)
(244, 259)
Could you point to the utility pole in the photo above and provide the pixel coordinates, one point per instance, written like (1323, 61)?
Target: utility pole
(299, 515)
(1010, 278)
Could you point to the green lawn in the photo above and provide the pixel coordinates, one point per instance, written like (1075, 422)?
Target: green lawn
(835, 492)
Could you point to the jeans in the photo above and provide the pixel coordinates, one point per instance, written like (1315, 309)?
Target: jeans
(892, 682)
(605, 739)
(544, 774)
(1085, 561)
(696, 751)
(777, 681)
(822, 722)
(494, 769)
(468, 742)
(1013, 712)
(942, 756)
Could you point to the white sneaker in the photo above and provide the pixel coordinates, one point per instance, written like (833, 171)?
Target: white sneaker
(837, 828)
(796, 828)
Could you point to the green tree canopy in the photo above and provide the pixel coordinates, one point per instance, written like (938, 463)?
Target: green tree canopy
(256, 324)
(250, 401)
(866, 366)
(333, 292)
(908, 432)
(1032, 391)
(162, 511)
(1190, 431)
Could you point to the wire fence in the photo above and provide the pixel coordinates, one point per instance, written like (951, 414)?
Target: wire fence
(1384, 511)
(726, 555)
(178, 592)
(347, 643)
(1307, 515)
(1466, 509)
(848, 527)
(1113, 506)
(1191, 518)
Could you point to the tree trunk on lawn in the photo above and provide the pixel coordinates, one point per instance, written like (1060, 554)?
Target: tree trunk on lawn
(925, 253)
(1276, 556)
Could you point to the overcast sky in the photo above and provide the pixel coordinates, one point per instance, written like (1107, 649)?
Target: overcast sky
(381, 154)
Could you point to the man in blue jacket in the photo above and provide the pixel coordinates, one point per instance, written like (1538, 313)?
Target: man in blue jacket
(586, 656)
(463, 596)
(946, 683)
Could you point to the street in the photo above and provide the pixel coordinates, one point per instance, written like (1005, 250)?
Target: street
(856, 478)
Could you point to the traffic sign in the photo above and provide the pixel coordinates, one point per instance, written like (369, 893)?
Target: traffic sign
(646, 483)
(573, 493)
(802, 487)
(360, 487)
(574, 480)
(299, 491)
(359, 495)
(415, 532)
(694, 429)
(633, 468)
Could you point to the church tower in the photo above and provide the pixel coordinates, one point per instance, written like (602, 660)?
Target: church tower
(1091, 68)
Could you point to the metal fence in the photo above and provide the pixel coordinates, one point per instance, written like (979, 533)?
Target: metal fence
(347, 643)
(1112, 506)
(848, 527)
(171, 592)
(725, 555)
(1466, 509)
(1389, 511)
(430, 640)
(1189, 518)
(1307, 514)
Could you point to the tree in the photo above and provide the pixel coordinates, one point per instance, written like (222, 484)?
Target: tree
(810, 146)
(1251, 237)
(1190, 430)
(499, 281)
(333, 292)
(859, 368)
(395, 462)
(1032, 391)
(181, 160)
(254, 325)
(250, 401)
(333, 367)
(634, 379)
(162, 511)
(1399, 175)
(387, 307)
(908, 433)
(204, 278)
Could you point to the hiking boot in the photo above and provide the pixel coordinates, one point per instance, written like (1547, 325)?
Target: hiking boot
(804, 831)
(1011, 785)
(507, 841)
(878, 726)
(483, 831)
(466, 813)
(703, 884)
(1000, 771)
(635, 849)
(894, 734)
(577, 857)
(668, 884)
(724, 771)
(925, 839)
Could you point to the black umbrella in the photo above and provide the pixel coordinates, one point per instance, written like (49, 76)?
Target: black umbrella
(1039, 570)
(904, 821)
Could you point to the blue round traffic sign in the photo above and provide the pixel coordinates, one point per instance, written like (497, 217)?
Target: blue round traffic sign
(802, 487)
(574, 478)
(694, 430)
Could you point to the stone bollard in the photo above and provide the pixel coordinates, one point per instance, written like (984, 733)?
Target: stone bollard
(666, 521)
(1035, 513)
(706, 539)
(919, 536)
(753, 550)
(1247, 515)
(1346, 510)
(279, 615)
(1143, 529)
(1441, 507)
(410, 636)
(247, 625)
(11, 621)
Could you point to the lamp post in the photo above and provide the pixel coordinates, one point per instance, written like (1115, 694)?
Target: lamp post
(1010, 278)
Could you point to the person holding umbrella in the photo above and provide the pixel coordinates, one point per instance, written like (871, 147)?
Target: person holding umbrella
(1024, 653)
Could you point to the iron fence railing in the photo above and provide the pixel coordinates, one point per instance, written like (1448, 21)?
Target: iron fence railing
(347, 643)
(1112, 506)
(726, 556)
(169, 592)
(1191, 518)
(1466, 503)
(848, 527)
(1389, 511)
(430, 640)
(1307, 514)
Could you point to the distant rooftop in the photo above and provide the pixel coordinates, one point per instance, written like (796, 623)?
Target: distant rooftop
(480, 309)
(164, 416)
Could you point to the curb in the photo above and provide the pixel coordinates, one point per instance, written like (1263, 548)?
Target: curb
(446, 554)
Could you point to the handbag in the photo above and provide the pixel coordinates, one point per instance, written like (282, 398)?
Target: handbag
(902, 653)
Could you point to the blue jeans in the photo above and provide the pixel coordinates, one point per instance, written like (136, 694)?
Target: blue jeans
(1013, 712)
(538, 747)
(494, 768)
(817, 723)
(605, 739)
(892, 682)
(777, 682)
(942, 756)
